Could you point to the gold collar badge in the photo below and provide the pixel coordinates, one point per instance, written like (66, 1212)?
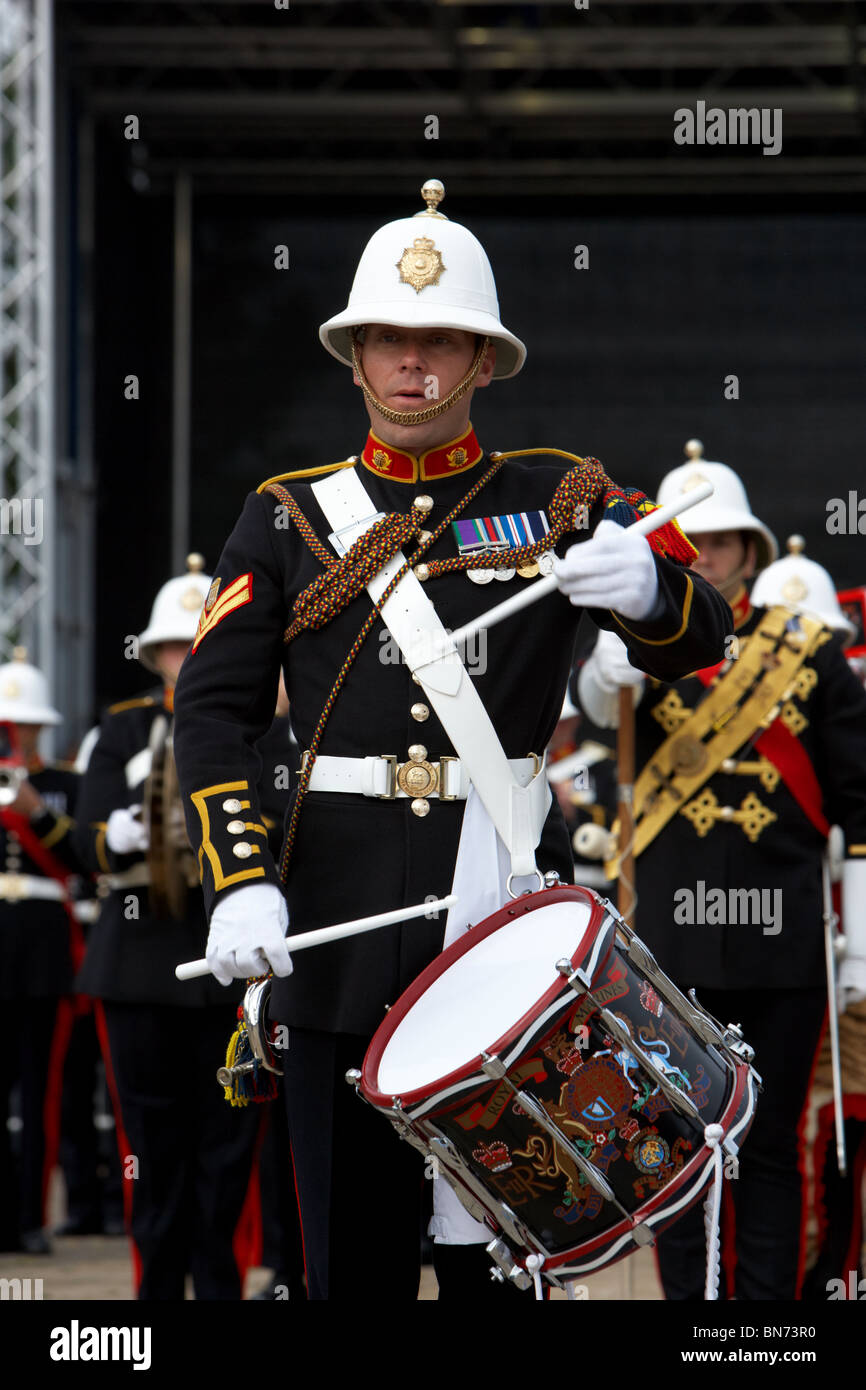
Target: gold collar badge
(381, 460)
(420, 264)
(457, 457)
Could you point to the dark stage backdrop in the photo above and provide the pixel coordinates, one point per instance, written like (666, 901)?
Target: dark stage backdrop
(627, 360)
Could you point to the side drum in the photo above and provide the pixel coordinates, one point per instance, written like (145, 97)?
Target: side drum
(562, 1083)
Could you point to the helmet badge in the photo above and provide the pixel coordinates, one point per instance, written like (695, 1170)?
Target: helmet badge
(794, 590)
(420, 264)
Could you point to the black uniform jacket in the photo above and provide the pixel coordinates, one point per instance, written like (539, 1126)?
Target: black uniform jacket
(132, 959)
(131, 954)
(356, 855)
(34, 932)
(785, 946)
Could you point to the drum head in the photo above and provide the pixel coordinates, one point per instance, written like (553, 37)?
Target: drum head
(480, 993)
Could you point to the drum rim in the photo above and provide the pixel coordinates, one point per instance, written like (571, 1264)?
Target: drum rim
(529, 902)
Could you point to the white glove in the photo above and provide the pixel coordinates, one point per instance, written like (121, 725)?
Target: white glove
(247, 934)
(601, 677)
(123, 833)
(852, 971)
(615, 569)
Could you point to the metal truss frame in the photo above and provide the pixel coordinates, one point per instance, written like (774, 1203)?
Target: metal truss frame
(27, 417)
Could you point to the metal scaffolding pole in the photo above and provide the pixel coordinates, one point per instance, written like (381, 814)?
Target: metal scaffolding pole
(27, 415)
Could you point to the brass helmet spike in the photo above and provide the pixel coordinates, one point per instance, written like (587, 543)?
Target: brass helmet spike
(694, 449)
(796, 545)
(19, 653)
(432, 192)
(195, 563)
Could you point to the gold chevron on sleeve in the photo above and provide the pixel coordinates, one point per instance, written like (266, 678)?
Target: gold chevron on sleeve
(239, 592)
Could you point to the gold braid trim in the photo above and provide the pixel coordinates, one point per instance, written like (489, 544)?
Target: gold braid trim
(344, 579)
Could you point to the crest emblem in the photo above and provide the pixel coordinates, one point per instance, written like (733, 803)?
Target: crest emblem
(457, 457)
(692, 481)
(191, 600)
(382, 460)
(420, 264)
(794, 590)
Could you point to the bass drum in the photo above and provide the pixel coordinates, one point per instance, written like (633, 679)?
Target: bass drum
(562, 1083)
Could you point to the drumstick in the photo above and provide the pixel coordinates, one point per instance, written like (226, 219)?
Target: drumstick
(192, 969)
(625, 758)
(647, 524)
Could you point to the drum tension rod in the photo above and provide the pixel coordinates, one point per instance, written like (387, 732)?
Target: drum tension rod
(496, 1070)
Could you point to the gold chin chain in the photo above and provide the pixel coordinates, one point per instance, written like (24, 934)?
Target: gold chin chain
(418, 417)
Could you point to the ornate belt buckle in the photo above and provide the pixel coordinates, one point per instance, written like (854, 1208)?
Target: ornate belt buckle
(418, 777)
(15, 887)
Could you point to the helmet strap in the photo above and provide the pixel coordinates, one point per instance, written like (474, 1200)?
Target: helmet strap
(417, 417)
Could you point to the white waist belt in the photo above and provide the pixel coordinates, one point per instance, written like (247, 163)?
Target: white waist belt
(448, 779)
(15, 887)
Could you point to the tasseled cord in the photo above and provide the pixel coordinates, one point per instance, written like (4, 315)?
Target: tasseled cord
(257, 1084)
(713, 1135)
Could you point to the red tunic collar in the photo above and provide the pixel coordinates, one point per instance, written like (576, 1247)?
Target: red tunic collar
(456, 456)
(741, 607)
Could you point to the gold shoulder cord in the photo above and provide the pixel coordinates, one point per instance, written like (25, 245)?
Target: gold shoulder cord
(743, 701)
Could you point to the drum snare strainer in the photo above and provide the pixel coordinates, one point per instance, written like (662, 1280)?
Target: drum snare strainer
(562, 1083)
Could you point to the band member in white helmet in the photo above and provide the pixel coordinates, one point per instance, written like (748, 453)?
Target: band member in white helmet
(806, 587)
(744, 766)
(368, 832)
(188, 1157)
(38, 937)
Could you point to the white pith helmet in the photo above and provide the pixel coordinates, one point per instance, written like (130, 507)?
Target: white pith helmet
(425, 272)
(175, 613)
(727, 510)
(801, 584)
(24, 693)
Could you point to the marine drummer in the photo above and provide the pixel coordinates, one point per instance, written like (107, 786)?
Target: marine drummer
(392, 808)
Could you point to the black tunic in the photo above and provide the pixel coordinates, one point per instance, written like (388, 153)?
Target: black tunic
(355, 855)
(786, 856)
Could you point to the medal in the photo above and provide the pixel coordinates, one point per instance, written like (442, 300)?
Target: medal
(480, 576)
(528, 570)
(545, 562)
(486, 534)
(504, 573)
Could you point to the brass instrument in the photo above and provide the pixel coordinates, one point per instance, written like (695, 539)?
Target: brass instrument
(170, 857)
